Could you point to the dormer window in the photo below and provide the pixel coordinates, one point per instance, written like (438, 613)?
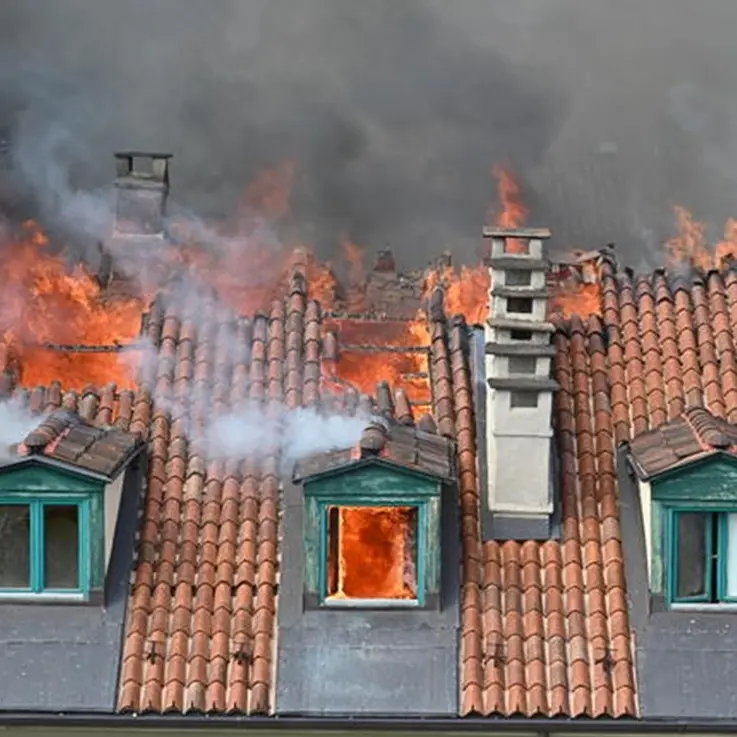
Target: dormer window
(60, 490)
(372, 530)
(686, 470)
(43, 545)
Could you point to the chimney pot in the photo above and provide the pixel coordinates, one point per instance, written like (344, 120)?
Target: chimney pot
(385, 261)
(373, 440)
(141, 194)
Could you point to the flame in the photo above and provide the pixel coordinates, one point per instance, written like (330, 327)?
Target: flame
(362, 368)
(690, 246)
(467, 290)
(43, 302)
(375, 557)
(248, 261)
(511, 212)
(574, 298)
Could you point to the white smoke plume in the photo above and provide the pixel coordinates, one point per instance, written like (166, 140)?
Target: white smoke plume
(293, 433)
(249, 428)
(15, 423)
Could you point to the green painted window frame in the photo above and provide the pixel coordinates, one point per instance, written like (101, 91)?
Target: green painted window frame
(36, 557)
(716, 580)
(324, 505)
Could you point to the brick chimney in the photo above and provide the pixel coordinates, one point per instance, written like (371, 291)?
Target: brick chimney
(519, 392)
(142, 185)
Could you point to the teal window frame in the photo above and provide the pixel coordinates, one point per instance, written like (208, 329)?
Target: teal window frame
(421, 506)
(716, 557)
(37, 541)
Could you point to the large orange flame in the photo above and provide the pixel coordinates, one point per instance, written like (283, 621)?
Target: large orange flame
(373, 556)
(690, 246)
(43, 301)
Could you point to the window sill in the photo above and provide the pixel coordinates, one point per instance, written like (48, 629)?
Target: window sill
(23, 597)
(721, 608)
(370, 604)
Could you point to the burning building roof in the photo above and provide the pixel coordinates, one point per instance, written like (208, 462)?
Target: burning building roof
(545, 626)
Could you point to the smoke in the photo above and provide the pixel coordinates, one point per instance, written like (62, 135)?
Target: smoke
(247, 428)
(15, 423)
(394, 111)
(293, 433)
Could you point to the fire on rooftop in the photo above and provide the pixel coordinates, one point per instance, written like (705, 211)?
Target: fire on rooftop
(79, 325)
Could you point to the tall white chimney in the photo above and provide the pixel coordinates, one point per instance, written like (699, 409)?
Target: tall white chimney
(519, 391)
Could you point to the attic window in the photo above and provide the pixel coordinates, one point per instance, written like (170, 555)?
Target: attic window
(43, 547)
(371, 554)
(519, 305)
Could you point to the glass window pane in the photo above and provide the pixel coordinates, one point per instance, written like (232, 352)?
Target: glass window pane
(692, 554)
(15, 536)
(731, 562)
(61, 546)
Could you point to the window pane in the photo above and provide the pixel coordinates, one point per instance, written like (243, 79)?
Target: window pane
(61, 546)
(731, 561)
(376, 553)
(692, 554)
(15, 536)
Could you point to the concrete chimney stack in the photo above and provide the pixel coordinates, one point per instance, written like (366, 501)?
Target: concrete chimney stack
(142, 185)
(519, 393)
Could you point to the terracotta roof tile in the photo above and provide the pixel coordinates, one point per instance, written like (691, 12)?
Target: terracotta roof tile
(66, 436)
(695, 433)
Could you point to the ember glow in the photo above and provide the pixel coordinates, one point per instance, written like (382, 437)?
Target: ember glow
(372, 553)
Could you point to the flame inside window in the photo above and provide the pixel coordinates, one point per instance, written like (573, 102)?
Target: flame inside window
(372, 553)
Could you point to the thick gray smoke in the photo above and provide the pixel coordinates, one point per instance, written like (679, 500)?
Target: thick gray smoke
(394, 111)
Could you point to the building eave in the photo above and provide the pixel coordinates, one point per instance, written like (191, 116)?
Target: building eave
(367, 724)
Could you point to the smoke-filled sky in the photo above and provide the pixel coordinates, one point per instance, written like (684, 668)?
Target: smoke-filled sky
(395, 110)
